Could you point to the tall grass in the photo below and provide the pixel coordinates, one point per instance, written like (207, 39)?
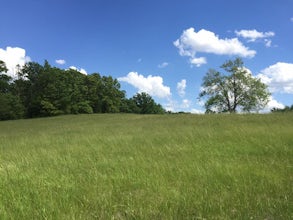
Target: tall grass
(147, 167)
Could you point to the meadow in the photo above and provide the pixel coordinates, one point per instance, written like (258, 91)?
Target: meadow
(126, 166)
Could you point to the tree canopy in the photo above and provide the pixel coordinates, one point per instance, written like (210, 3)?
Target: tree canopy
(143, 103)
(236, 90)
(43, 90)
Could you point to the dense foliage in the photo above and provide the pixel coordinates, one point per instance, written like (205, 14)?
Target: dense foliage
(237, 90)
(43, 90)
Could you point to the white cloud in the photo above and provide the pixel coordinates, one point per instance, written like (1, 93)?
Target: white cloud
(185, 104)
(198, 61)
(81, 70)
(178, 106)
(170, 106)
(273, 104)
(191, 42)
(60, 62)
(197, 111)
(181, 86)
(12, 57)
(163, 65)
(268, 43)
(279, 77)
(253, 35)
(153, 85)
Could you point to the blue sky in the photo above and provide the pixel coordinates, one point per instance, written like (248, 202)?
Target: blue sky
(160, 47)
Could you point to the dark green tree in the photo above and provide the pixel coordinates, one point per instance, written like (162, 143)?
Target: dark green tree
(237, 90)
(129, 106)
(93, 93)
(10, 105)
(43, 90)
(3, 68)
(48, 91)
(5, 85)
(111, 95)
(145, 104)
(4, 79)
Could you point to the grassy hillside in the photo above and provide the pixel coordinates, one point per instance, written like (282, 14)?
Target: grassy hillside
(147, 167)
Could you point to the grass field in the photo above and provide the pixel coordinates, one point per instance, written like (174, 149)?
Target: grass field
(121, 166)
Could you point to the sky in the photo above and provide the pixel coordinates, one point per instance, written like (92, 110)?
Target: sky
(161, 47)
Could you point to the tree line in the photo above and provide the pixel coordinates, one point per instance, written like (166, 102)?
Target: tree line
(43, 90)
(285, 109)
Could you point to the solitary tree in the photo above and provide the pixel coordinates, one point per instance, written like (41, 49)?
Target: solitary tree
(237, 90)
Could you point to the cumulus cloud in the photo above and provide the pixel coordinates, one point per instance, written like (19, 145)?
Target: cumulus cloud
(60, 62)
(198, 61)
(13, 56)
(163, 65)
(253, 35)
(153, 85)
(279, 77)
(181, 86)
(81, 70)
(192, 42)
(274, 104)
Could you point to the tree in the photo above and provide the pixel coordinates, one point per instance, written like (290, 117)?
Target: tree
(111, 95)
(237, 90)
(93, 93)
(3, 67)
(4, 79)
(10, 105)
(144, 104)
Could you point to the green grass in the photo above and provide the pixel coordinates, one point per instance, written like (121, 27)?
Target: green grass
(147, 167)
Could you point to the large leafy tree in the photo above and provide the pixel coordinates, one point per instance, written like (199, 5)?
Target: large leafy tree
(143, 103)
(4, 79)
(112, 96)
(236, 90)
(10, 104)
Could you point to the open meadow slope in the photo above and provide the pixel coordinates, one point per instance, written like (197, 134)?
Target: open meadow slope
(124, 166)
